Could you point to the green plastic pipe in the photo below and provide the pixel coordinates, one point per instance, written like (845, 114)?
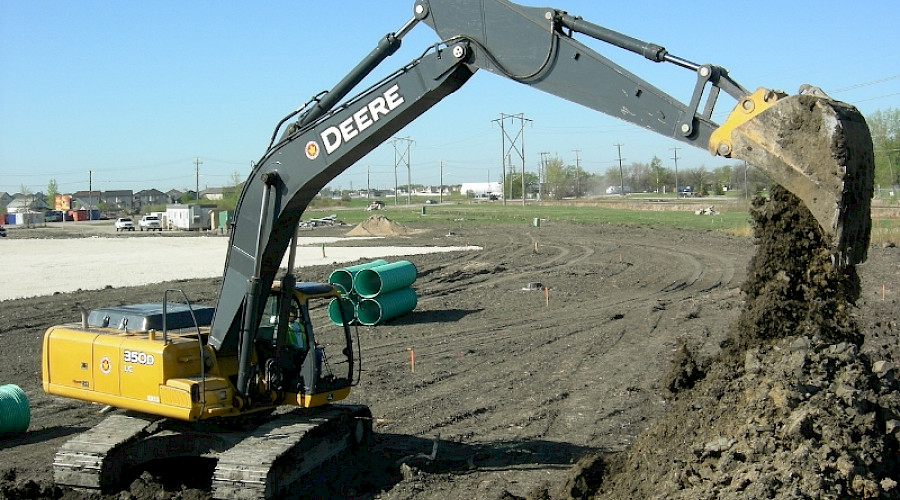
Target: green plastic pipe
(334, 312)
(379, 280)
(342, 278)
(373, 311)
(15, 414)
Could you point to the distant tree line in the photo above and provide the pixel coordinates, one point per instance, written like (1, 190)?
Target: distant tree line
(563, 180)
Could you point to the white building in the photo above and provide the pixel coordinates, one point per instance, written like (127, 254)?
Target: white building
(482, 189)
(188, 217)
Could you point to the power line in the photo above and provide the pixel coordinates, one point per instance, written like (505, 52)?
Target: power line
(675, 149)
(865, 84)
(197, 164)
(577, 171)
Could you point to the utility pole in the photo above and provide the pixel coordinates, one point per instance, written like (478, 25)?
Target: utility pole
(621, 171)
(577, 172)
(197, 164)
(675, 149)
(90, 195)
(368, 185)
(518, 148)
(746, 189)
(402, 157)
(441, 188)
(542, 176)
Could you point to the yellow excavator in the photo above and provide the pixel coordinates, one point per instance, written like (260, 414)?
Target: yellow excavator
(180, 373)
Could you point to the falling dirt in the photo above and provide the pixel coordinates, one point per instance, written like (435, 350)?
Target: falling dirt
(792, 287)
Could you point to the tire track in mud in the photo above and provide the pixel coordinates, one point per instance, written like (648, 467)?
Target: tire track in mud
(722, 276)
(472, 395)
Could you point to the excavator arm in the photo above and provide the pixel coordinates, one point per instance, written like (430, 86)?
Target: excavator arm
(535, 47)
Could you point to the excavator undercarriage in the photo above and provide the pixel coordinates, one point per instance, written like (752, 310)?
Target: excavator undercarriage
(256, 457)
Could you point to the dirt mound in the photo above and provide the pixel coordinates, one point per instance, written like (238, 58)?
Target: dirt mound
(791, 408)
(379, 225)
(799, 418)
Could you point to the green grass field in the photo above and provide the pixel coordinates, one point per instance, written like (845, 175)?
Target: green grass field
(451, 213)
(733, 217)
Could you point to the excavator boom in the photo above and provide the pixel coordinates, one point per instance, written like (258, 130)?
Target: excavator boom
(817, 148)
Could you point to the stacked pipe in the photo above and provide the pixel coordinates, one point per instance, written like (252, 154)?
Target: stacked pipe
(375, 291)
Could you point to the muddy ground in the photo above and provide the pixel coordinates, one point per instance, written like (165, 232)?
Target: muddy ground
(610, 384)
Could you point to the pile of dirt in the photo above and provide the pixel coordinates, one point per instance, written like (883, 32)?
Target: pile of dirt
(791, 408)
(797, 418)
(379, 225)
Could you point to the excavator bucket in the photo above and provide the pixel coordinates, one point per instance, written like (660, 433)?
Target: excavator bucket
(815, 147)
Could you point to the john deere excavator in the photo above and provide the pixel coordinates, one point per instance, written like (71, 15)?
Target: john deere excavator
(181, 375)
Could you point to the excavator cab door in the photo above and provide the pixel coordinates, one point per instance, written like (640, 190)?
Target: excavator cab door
(330, 361)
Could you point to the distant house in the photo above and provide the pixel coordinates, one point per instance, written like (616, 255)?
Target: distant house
(86, 200)
(148, 197)
(174, 195)
(5, 198)
(213, 193)
(22, 203)
(122, 199)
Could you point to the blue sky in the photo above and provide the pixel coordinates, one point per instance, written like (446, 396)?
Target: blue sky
(135, 91)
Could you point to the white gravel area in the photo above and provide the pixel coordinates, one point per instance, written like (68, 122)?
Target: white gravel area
(34, 267)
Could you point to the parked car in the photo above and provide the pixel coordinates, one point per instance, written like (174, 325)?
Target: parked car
(2, 232)
(124, 224)
(150, 223)
(430, 202)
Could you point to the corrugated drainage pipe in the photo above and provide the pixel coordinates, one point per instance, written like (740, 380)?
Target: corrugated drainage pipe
(379, 280)
(15, 414)
(375, 310)
(349, 306)
(342, 278)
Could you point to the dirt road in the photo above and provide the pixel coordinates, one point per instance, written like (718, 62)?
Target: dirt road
(511, 386)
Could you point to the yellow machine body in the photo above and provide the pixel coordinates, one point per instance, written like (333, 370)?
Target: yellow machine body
(135, 370)
(160, 375)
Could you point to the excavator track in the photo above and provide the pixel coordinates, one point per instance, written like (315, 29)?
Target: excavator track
(264, 462)
(275, 456)
(93, 459)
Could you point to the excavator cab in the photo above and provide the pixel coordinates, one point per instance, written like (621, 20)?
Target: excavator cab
(305, 355)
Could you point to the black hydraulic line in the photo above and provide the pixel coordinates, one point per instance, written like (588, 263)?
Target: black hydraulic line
(652, 51)
(253, 293)
(656, 53)
(385, 48)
